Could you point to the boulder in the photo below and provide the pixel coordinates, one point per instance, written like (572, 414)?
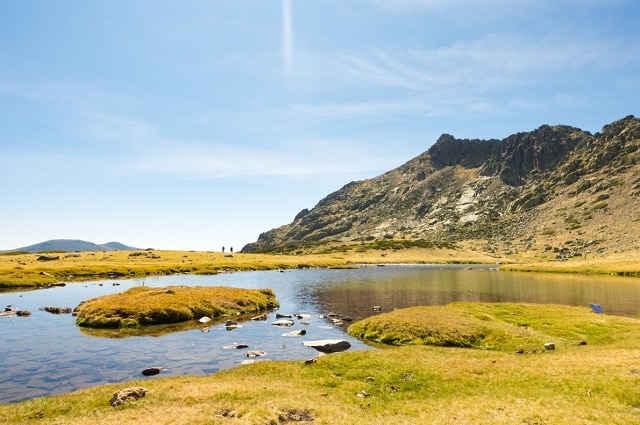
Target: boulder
(283, 322)
(152, 371)
(328, 345)
(127, 395)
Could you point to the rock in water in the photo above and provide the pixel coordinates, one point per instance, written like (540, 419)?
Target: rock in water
(296, 333)
(328, 345)
(152, 371)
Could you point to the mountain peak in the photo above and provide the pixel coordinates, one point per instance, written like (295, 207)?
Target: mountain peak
(533, 190)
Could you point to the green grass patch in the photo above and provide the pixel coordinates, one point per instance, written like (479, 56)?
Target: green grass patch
(498, 326)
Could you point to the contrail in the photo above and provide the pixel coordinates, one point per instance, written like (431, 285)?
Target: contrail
(287, 36)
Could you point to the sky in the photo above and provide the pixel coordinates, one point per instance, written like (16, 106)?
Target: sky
(198, 124)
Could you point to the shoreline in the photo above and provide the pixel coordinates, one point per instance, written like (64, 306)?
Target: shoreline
(24, 271)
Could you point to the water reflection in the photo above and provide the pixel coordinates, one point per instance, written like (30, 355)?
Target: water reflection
(47, 354)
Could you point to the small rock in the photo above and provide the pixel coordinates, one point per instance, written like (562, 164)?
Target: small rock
(328, 345)
(56, 310)
(549, 346)
(283, 322)
(256, 353)
(296, 333)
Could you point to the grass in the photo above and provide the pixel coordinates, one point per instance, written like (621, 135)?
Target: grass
(499, 326)
(622, 264)
(140, 306)
(25, 271)
(411, 384)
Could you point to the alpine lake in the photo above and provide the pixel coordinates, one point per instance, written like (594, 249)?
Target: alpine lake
(46, 354)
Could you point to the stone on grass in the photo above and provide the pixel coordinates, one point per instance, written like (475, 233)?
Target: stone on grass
(127, 395)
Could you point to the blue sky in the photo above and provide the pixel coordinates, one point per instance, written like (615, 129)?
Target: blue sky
(198, 124)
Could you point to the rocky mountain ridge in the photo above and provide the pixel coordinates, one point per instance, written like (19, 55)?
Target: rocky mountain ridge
(556, 191)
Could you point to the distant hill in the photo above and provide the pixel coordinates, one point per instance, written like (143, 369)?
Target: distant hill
(554, 192)
(72, 245)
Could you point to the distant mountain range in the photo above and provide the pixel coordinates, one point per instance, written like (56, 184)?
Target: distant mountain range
(72, 245)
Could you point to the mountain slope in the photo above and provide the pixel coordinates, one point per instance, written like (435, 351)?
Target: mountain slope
(72, 245)
(556, 191)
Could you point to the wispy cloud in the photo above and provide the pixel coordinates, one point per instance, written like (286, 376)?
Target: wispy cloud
(287, 36)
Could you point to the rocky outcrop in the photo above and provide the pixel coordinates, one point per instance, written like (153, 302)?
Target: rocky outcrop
(508, 195)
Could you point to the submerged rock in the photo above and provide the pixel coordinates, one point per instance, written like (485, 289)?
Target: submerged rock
(328, 345)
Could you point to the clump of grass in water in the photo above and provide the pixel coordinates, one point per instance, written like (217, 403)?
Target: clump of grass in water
(143, 305)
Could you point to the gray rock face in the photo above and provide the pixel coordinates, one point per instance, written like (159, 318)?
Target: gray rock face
(494, 191)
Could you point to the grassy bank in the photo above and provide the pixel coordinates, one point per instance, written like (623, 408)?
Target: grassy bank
(413, 384)
(627, 264)
(25, 270)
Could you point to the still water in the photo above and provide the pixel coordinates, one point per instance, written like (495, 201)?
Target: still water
(46, 354)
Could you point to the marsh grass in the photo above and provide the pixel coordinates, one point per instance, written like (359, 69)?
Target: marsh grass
(413, 384)
(142, 305)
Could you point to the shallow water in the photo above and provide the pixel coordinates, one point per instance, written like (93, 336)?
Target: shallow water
(46, 354)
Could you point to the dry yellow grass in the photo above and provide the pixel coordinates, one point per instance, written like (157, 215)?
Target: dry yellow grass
(26, 271)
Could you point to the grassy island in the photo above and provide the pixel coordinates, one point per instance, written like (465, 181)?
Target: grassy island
(141, 305)
(591, 377)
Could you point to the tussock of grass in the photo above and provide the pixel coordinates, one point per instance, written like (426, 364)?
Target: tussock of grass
(142, 305)
(497, 326)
